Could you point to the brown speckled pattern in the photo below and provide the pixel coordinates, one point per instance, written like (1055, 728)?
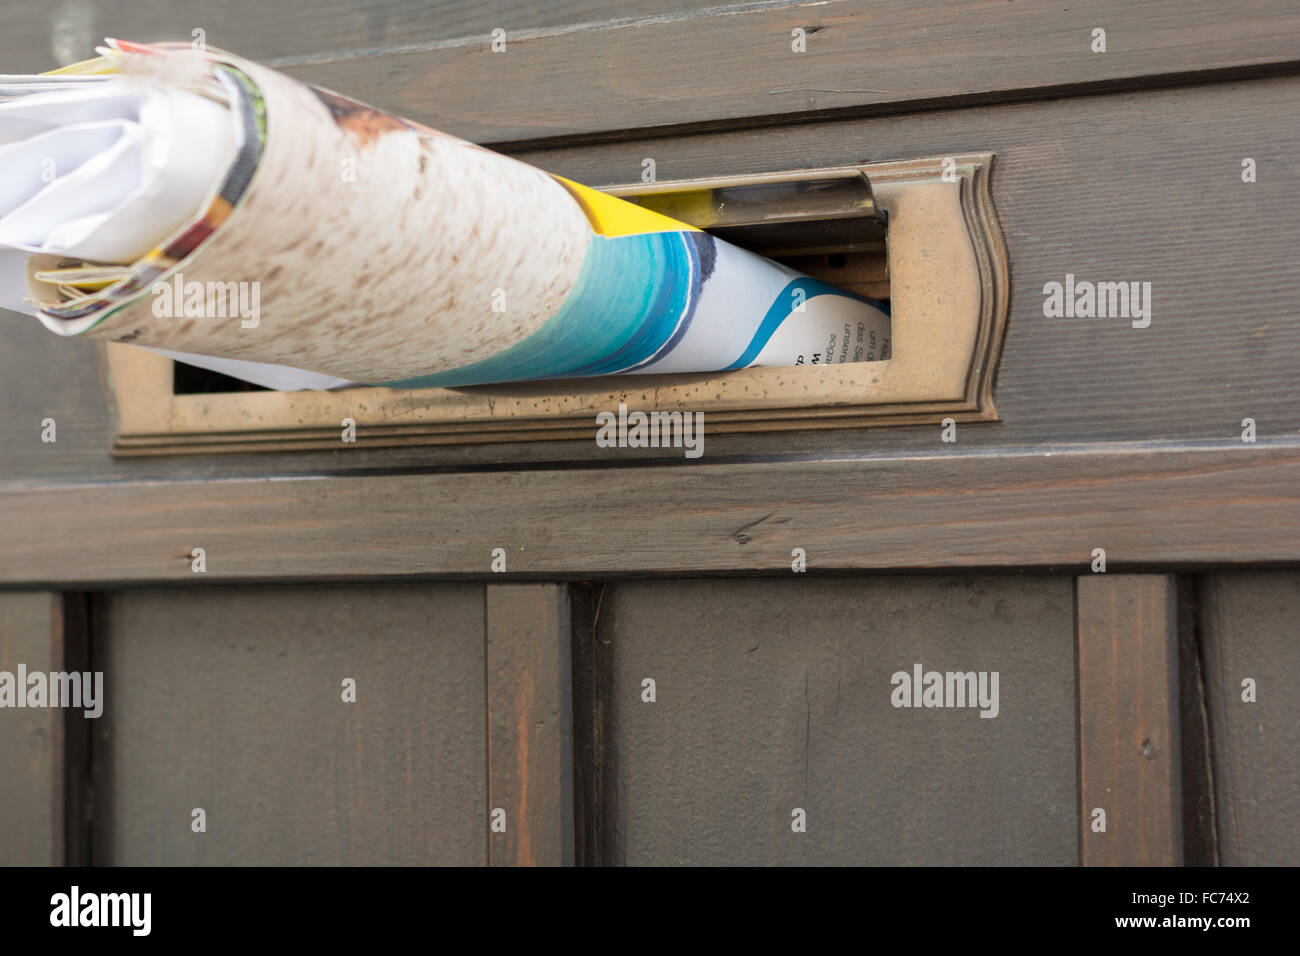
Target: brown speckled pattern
(385, 278)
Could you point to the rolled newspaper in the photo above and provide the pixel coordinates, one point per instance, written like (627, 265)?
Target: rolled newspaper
(202, 205)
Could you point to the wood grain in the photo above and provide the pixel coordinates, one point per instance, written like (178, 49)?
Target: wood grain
(1249, 632)
(1105, 187)
(1200, 838)
(591, 695)
(530, 724)
(601, 66)
(1144, 506)
(1084, 186)
(36, 35)
(230, 700)
(31, 740)
(78, 735)
(776, 695)
(736, 65)
(1129, 744)
(576, 67)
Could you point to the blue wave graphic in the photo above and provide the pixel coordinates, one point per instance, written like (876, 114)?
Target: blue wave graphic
(781, 309)
(632, 295)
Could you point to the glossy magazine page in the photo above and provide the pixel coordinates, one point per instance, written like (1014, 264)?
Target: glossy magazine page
(202, 205)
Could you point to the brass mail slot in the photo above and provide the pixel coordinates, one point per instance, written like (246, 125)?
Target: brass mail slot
(922, 233)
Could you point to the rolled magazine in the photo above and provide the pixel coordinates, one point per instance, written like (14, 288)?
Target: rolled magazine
(207, 207)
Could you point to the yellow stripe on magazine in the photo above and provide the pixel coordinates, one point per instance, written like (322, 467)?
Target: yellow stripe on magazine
(611, 216)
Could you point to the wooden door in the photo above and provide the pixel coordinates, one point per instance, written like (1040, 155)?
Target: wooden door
(1120, 545)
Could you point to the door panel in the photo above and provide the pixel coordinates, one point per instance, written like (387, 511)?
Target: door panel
(1249, 633)
(776, 695)
(230, 700)
(31, 739)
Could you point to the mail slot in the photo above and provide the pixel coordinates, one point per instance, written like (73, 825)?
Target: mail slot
(824, 223)
(921, 233)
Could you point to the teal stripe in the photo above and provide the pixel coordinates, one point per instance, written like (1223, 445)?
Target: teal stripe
(783, 306)
(631, 293)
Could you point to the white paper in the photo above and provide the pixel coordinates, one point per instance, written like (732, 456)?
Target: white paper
(281, 378)
(108, 189)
